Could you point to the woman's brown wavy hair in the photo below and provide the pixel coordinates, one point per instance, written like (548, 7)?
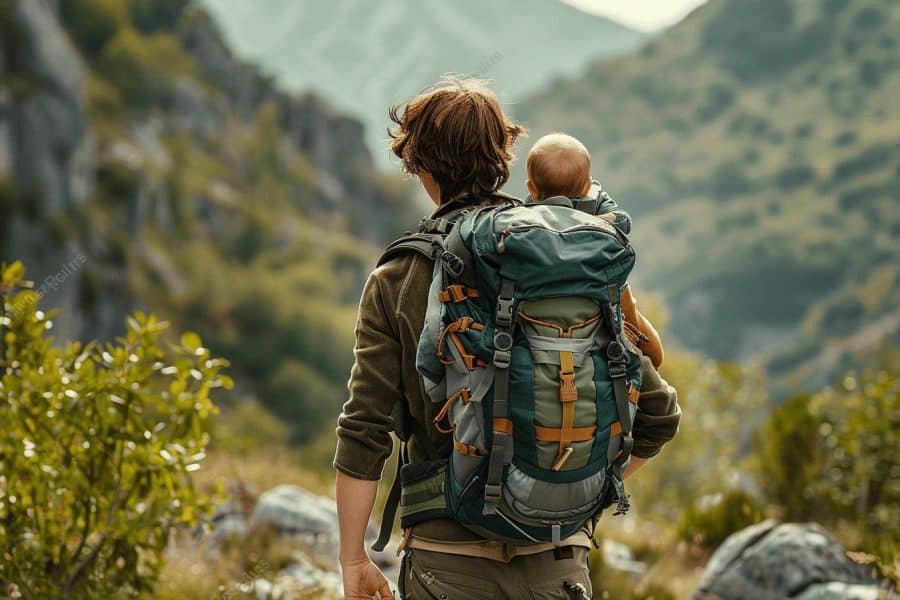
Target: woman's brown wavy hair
(456, 130)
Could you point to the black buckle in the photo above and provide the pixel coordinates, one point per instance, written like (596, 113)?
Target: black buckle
(453, 264)
(615, 352)
(617, 371)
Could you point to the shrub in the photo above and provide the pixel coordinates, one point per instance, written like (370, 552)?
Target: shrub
(149, 16)
(729, 181)
(845, 138)
(96, 451)
(832, 456)
(793, 176)
(301, 397)
(865, 162)
(92, 23)
(718, 99)
(710, 525)
(144, 68)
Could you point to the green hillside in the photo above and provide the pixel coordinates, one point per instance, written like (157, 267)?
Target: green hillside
(758, 146)
(366, 55)
(143, 165)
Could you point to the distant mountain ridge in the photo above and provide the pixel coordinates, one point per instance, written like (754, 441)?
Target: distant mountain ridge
(364, 56)
(758, 146)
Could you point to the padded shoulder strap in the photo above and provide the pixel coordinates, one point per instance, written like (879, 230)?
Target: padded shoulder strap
(427, 244)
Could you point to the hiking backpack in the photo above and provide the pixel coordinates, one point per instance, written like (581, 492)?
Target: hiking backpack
(523, 357)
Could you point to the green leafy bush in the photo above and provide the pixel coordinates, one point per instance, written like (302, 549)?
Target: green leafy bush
(710, 524)
(832, 456)
(96, 451)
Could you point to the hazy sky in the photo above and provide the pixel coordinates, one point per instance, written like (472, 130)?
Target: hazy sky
(645, 15)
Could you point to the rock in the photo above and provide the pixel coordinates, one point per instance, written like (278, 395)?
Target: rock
(299, 579)
(790, 560)
(292, 510)
(47, 153)
(53, 145)
(618, 556)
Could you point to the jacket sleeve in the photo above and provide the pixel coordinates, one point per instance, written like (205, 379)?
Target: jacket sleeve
(619, 217)
(364, 425)
(658, 414)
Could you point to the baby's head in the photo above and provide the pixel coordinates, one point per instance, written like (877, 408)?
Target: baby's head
(558, 165)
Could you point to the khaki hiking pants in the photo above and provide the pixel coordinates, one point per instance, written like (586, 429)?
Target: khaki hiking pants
(561, 573)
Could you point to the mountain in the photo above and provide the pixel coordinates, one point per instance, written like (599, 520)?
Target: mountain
(143, 165)
(365, 56)
(757, 145)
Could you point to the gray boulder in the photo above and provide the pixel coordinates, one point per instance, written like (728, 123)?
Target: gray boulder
(291, 510)
(786, 560)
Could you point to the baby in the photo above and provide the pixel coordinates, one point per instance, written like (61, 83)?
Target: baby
(560, 165)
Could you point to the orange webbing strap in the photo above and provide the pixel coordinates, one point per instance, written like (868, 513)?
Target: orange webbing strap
(576, 434)
(568, 393)
(461, 325)
(457, 293)
(634, 394)
(464, 395)
(504, 425)
(467, 449)
(615, 430)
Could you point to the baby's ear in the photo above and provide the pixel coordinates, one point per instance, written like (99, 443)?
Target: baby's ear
(532, 189)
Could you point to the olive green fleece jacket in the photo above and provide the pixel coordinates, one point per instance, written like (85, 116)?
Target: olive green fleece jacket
(389, 322)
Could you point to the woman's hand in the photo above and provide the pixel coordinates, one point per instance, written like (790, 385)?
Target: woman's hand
(364, 581)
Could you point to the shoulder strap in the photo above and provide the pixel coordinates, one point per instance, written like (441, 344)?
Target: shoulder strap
(426, 244)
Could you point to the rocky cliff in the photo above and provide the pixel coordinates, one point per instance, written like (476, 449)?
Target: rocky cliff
(54, 145)
(144, 165)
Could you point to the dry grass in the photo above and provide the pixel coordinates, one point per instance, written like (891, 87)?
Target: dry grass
(263, 469)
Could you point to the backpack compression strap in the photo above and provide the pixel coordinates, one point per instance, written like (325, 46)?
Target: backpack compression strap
(615, 355)
(502, 441)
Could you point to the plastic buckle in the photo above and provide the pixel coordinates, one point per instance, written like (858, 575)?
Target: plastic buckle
(617, 371)
(504, 310)
(615, 351)
(492, 492)
(502, 358)
(452, 263)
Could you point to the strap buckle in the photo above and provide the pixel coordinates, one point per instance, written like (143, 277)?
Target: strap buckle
(453, 264)
(492, 493)
(503, 341)
(615, 352)
(504, 312)
(502, 358)
(617, 371)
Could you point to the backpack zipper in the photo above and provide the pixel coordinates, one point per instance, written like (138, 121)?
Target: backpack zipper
(501, 237)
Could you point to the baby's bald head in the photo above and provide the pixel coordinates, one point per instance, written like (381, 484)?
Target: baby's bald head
(558, 165)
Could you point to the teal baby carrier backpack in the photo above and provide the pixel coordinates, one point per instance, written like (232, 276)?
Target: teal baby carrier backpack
(523, 355)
